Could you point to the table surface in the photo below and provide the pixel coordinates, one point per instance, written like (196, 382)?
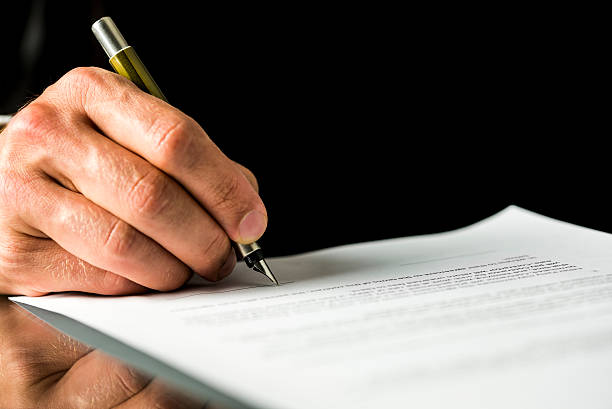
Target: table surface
(43, 367)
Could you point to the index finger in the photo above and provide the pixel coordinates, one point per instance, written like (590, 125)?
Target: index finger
(173, 142)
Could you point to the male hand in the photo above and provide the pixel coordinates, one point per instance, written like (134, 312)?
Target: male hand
(109, 190)
(43, 368)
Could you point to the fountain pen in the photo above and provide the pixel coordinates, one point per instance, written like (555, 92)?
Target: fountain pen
(126, 62)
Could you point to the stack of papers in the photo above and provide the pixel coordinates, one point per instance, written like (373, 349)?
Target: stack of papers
(514, 311)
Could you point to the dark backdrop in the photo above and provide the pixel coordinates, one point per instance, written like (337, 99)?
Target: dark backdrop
(365, 122)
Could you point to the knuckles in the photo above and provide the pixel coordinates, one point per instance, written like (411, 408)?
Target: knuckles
(84, 76)
(120, 240)
(82, 80)
(225, 192)
(83, 87)
(128, 381)
(40, 122)
(43, 122)
(180, 144)
(32, 127)
(176, 141)
(151, 195)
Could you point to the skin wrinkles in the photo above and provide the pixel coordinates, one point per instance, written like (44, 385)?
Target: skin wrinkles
(212, 160)
(66, 267)
(68, 163)
(41, 367)
(111, 169)
(84, 223)
(16, 187)
(93, 152)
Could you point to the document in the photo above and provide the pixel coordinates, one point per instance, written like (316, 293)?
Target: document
(513, 311)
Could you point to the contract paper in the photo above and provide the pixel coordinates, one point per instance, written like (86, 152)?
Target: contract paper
(514, 311)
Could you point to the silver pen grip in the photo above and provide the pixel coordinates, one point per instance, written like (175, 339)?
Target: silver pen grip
(246, 250)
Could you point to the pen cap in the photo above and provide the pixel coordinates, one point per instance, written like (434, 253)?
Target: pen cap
(109, 36)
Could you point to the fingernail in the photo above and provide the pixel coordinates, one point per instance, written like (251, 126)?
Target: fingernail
(252, 226)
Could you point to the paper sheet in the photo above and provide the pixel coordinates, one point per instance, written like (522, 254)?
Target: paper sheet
(514, 311)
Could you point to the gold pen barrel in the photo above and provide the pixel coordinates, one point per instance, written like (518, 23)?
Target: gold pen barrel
(126, 62)
(123, 58)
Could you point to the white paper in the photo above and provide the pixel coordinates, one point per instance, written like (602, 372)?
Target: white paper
(514, 311)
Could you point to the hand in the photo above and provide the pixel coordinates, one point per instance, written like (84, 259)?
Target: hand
(43, 368)
(107, 189)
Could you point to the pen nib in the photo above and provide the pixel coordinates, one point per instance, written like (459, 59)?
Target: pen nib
(262, 267)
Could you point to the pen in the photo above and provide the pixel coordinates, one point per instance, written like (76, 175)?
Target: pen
(126, 62)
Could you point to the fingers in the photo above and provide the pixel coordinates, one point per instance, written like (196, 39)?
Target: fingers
(174, 143)
(42, 367)
(160, 395)
(99, 381)
(249, 175)
(106, 382)
(101, 239)
(41, 266)
(146, 216)
(146, 198)
(34, 356)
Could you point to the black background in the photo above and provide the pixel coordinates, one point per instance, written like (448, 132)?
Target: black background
(371, 121)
